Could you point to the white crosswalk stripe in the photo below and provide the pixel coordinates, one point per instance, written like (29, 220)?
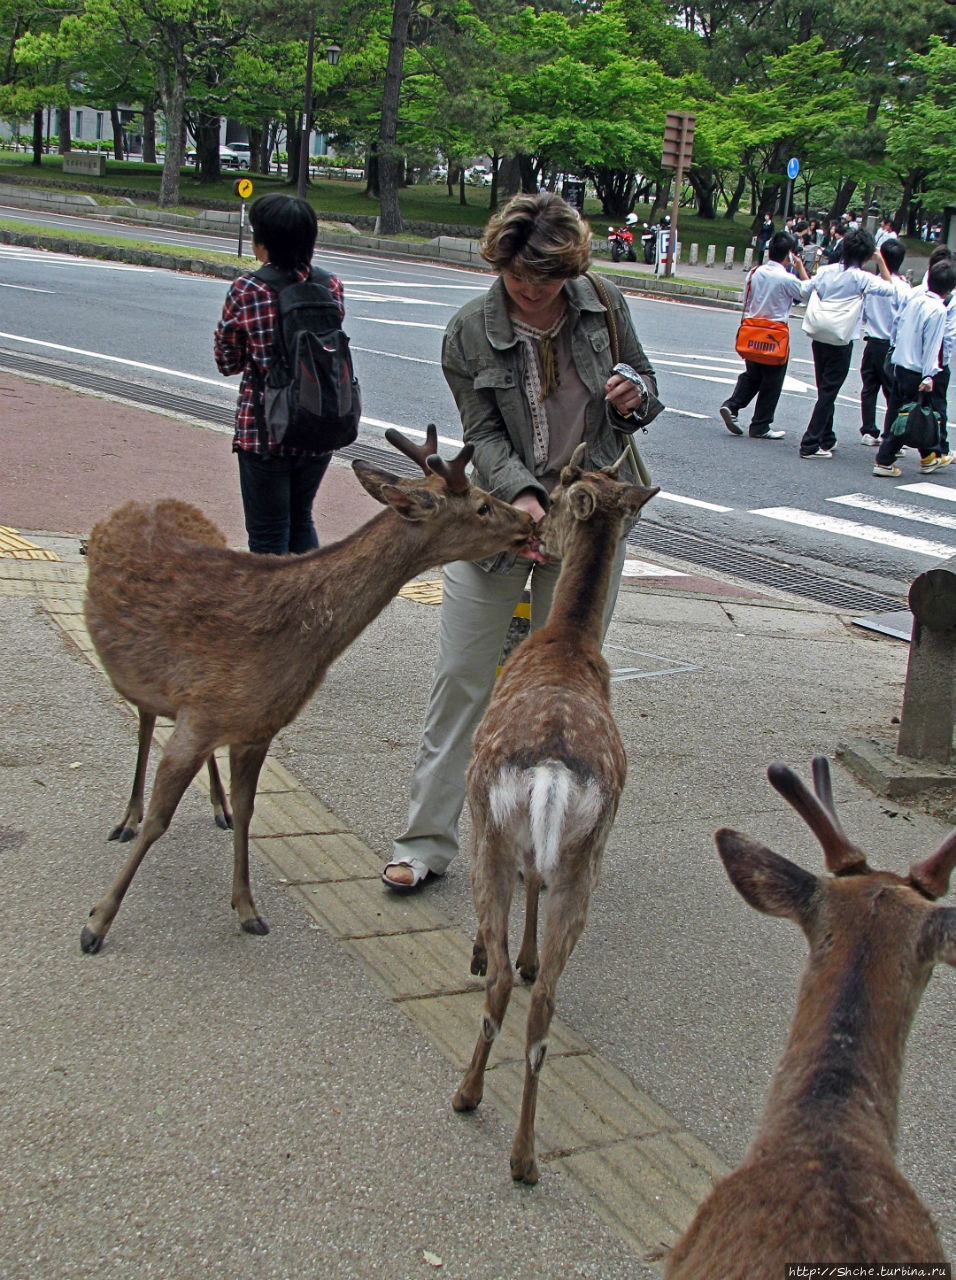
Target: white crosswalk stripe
(863, 532)
(898, 510)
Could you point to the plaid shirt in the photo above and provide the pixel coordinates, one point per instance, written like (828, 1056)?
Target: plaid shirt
(244, 338)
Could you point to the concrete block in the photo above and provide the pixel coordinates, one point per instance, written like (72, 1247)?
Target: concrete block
(748, 257)
(89, 162)
(711, 255)
(692, 257)
(729, 258)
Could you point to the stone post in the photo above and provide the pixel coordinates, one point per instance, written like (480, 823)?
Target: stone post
(692, 259)
(929, 698)
(711, 255)
(729, 258)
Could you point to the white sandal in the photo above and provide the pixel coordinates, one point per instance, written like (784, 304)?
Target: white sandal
(421, 875)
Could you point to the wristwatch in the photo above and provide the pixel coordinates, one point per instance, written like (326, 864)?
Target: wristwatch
(626, 371)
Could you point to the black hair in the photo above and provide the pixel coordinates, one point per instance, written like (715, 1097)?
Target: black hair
(286, 227)
(893, 251)
(942, 253)
(858, 247)
(781, 244)
(942, 277)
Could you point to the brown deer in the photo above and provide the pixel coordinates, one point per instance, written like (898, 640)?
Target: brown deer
(546, 777)
(231, 645)
(819, 1183)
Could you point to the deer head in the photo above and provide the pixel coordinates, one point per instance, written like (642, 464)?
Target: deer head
(581, 495)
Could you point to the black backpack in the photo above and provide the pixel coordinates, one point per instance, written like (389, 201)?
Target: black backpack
(310, 398)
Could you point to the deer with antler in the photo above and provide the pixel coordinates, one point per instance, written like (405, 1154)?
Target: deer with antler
(819, 1183)
(232, 645)
(546, 777)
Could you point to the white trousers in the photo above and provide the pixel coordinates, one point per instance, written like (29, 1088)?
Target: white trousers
(476, 610)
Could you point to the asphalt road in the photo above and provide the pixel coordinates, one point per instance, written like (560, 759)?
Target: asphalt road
(155, 328)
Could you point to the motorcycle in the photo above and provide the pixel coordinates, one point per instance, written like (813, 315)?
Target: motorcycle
(649, 244)
(621, 244)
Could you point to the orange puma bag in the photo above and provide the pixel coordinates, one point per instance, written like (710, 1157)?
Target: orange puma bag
(761, 340)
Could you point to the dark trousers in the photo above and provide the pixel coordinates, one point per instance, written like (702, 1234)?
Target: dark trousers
(277, 496)
(938, 401)
(905, 390)
(765, 381)
(830, 366)
(874, 380)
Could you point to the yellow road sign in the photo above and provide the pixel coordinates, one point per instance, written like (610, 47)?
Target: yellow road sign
(243, 188)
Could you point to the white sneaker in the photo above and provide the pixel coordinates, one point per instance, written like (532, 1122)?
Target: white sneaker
(870, 441)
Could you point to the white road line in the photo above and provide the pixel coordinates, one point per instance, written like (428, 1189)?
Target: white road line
(405, 324)
(865, 532)
(98, 355)
(394, 355)
(930, 490)
(899, 510)
(691, 502)
(25, 288)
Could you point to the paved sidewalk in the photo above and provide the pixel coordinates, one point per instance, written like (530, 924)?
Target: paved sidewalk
(197, 1102)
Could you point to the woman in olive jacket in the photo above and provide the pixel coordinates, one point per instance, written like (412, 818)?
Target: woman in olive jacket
(530, 366)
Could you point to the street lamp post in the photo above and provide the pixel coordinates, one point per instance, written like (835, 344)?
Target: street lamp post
(332, 56)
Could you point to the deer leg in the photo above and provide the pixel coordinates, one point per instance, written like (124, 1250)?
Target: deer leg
(479, 955)
(567, 913)
(127, 828)
(492, 900)
(181, 761)
(217, 795)
(245, 763)
(527, 961)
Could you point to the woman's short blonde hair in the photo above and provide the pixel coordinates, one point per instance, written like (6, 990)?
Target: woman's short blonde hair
(538, 238)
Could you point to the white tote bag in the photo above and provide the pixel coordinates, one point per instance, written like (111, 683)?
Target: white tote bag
(832, 320)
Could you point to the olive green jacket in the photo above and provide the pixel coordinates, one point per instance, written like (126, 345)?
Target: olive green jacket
(483, 364)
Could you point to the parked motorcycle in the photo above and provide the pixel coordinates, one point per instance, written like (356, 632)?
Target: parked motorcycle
(649, 243)
(621, 244)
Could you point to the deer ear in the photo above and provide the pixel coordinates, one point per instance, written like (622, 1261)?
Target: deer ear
(373, 480)
(581, 502)
(768, 882)
(635, 498)
(938, 939)
(411, 504)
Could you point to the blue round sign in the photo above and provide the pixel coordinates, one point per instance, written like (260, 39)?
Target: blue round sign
(793, 167)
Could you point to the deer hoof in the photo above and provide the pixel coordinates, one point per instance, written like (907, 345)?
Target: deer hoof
(223, 823)
(256, 925)
(479, 963)
(528, 971)
(524, 1169)
(90, 942)
(461, 1103)
(122, 833)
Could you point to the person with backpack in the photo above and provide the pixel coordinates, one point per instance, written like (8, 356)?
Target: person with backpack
(278, 481)
(917, 347)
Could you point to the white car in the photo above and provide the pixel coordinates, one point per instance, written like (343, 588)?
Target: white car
(479, 175)
(228, 159)
(242, 153)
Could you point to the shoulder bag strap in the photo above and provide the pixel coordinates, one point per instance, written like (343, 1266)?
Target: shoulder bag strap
(597, 284)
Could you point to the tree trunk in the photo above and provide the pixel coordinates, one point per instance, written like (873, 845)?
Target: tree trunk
(37, 137)
(293, 145)
(529, 173)
(509, 177)
(733, 203)
(662, 198)
(149, 133)
(119, 151)
(493, 194)
(256, 138)
(388, 160)
(704, 186)
(207, 147)
(173, 94)
(372, 174)
(64, 131)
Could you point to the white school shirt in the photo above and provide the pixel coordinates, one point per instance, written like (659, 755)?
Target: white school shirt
(919, 333)
(880, 312)
(949, 332)
(772, 291)
(839, 282)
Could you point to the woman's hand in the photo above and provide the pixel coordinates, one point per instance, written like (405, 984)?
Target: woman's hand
(528, 501)
(622, 395)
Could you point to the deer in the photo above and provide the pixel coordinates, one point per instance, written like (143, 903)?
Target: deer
(231, 645)
(819, 1182)
(545, 779)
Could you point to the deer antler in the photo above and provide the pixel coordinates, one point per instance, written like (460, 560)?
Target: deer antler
(453, 473)
(842, 856)
(419, 453)
(932, 876)
(615, 468)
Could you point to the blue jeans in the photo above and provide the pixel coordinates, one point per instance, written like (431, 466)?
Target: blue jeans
(277, 496)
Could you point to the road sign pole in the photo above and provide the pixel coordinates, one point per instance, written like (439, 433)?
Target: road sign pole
(243, 190)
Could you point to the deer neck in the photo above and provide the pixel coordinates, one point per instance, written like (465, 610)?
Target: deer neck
(840, 1072)
(334, 593)
(582, 588)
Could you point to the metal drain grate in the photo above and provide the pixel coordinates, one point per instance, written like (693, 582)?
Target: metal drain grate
(738, 563)
(732, 561)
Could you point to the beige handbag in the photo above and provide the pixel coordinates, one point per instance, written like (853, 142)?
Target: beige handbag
(832, 320)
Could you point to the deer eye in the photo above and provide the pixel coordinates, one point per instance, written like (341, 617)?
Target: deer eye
(484, 508)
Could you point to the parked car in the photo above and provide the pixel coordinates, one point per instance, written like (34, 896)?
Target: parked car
(228, 158)
(243, 154)
(478, 175)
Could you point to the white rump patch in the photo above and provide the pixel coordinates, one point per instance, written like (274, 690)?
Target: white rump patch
(552, 806)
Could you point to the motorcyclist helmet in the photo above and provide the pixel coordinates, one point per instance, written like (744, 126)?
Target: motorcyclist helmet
(666, 220)
(631, 220)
